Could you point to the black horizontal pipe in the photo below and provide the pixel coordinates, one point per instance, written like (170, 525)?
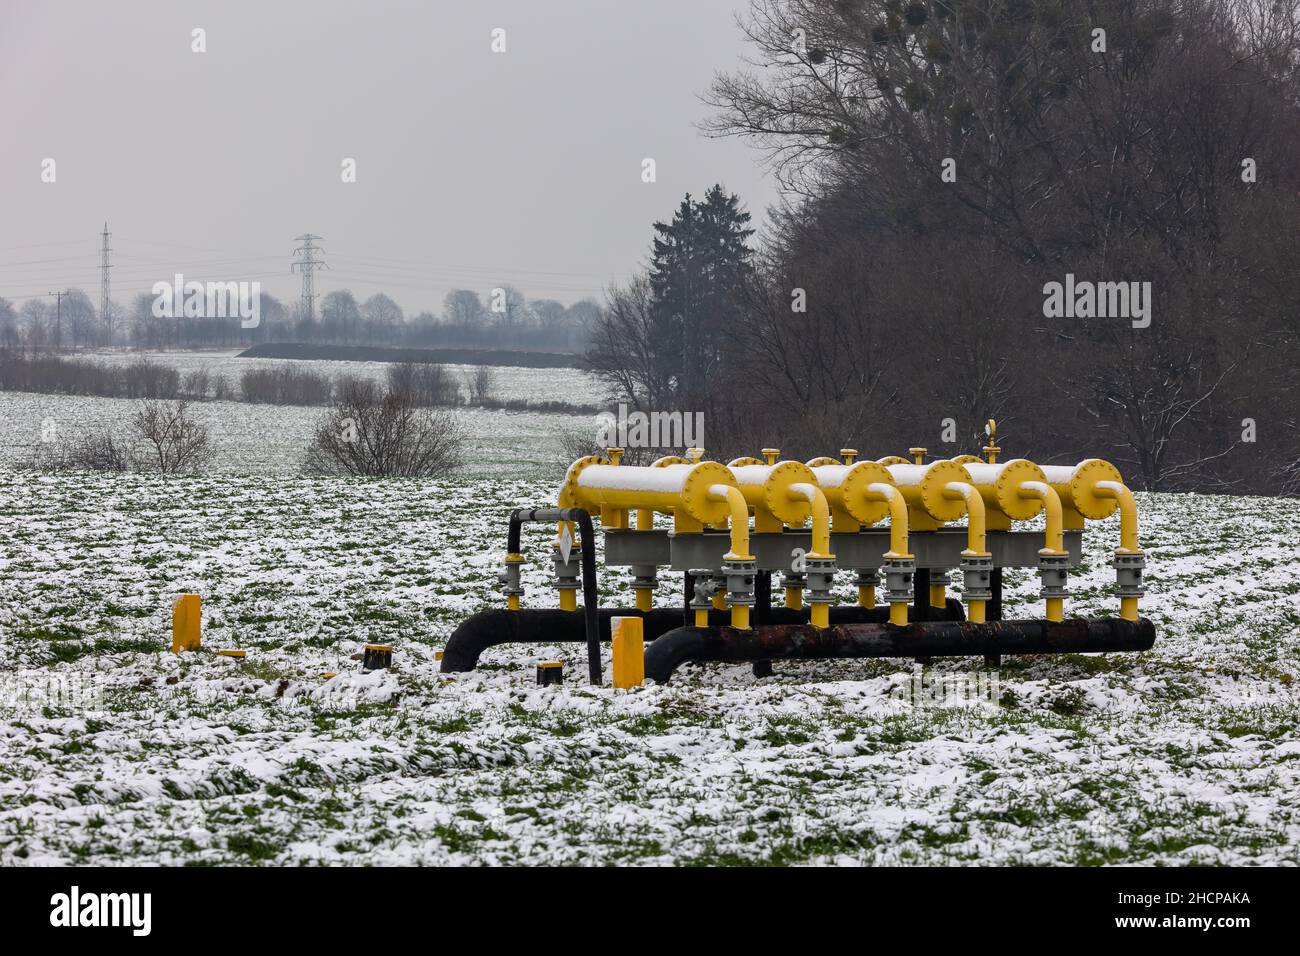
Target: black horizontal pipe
(918, 639)
(551, 626)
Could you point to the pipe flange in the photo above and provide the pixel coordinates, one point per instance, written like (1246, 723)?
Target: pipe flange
(977, 577)
(899, 573)
(867, 578)
(821, 580)
(1053, 572)
(739, 576)
(644, 576)
(794, 579)
(1128, 573)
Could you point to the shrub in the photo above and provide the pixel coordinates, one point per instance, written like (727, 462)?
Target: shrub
(372, 432)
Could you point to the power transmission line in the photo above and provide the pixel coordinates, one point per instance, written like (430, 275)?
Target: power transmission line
(308, 265)
(105, 310)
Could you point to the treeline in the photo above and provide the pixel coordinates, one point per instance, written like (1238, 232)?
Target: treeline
(422, 384)
(956, 160)
(504, 319)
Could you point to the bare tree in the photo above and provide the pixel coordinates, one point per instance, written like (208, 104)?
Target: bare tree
(369, 432)
(480, 383)
(173, 443)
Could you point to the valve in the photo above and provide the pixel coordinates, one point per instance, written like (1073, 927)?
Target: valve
(977, 577)
(1053, 572)
(1128, 567)
(772, 455)
(566, 577)
(739, 576)
(820, 574)
(849, 455)
(514, 589)
(918, 455)
(706, 586)
(898, 586)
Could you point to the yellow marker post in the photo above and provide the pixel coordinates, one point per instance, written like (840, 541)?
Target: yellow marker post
(629, 651)
(187, 617)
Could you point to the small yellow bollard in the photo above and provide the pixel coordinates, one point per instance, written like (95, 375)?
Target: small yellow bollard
(187, 617)
(629, 651)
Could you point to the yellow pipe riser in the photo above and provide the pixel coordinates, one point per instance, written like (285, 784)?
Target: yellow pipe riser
(644, 599)
(893, 498)
(821, 518)
(976, 534)
(739, 509)
(820, 615)
(740, 617)
(569, 599)
(1128, 514)
(1128, 534)
(845, 488)
(1054, 541)
(897, 537)
(923, 490)
(866, 595)
(794, 598)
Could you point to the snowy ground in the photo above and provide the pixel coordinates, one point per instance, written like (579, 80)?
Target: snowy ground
(273, 439)
(114, 751)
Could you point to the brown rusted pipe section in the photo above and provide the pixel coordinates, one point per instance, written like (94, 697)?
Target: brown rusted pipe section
(918, 639)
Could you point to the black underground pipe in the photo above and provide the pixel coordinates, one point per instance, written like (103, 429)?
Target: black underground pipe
(919, 639)
(552, 626)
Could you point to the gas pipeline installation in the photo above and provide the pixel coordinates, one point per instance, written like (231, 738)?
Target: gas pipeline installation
(890, 523)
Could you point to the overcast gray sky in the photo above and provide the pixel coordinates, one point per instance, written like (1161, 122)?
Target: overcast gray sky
(473, 168)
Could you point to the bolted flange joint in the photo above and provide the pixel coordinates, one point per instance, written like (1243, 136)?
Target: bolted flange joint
(898, 579)
(794, 579)
(510, 576)
(1053, 573)
(1128, 574)
(643, 576)
(821, 579)
(566, 572)
(977, 577)
(867, 578)
(739, 575)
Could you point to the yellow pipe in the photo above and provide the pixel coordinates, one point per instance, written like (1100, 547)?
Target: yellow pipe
(740, 617)
(739, 520)
(1055, 541)
(719, 601)
(644, 600)
(794, 598)
(1128, 534)
(897, 517)
(701, 617)
(1055, 538)
(976, 533)
(821, 518)
(866, 595)
(512, 602)
(569, 599)
(897, 536)
(1128, 514)
(645, 519)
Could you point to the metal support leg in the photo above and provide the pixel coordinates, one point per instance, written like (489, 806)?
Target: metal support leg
(762, 614)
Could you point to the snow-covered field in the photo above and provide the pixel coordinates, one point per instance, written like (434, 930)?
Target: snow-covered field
(112, 750)
(273, 438)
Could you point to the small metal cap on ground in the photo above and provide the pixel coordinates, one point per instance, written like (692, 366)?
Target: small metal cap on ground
(232, 652)
(377, 657)
(550, 672)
